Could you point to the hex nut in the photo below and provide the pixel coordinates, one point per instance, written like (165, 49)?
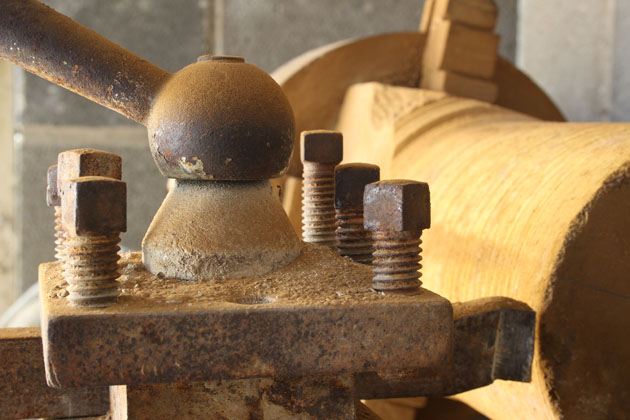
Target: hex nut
(94, 205)
(88, 162)
(397, 205)
(52, 194)
(350, 182)
(321, 146)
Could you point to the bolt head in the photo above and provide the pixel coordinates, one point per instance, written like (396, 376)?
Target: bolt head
(52, 194)
(350, 182)
(397, 205)
(88, 162)
(321, 146)
(95, 205)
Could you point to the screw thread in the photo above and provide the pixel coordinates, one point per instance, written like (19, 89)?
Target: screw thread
(318, 211)
(352, 239)
(397, 261)
(59, 235)
(91, 269)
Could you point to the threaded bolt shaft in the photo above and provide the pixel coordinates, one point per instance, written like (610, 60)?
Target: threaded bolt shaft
(53, 199)
(352, 240)
(318, 211)
(397, 261)
(59, 235)
(321, 151)
(91, 269)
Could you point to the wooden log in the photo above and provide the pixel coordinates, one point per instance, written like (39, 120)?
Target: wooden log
(460, 48)
(461, 52)
(536, 211)
(480, 14)
(316, 82)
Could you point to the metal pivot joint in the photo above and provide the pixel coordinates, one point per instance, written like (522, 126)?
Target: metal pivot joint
(353, 240)
(321, 150)
(396, 212)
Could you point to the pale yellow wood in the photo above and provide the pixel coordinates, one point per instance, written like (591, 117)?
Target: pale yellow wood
(460, 85)
(316, 82)
(536, 211)
(388, 410)
(460, 48)
(476, 13)
(460, 56)
(419, 402)
(427, 15)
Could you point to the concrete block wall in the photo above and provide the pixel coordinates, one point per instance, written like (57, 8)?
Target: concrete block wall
(577, 51)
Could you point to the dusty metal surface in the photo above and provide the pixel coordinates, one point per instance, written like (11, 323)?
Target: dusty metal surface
(23, 389)
(321, 151)
(493, 339)
(206, 231)
(51, 45)
(353, 240)
(396, 212)
(221, 119)
(308, 398)
(316, 316)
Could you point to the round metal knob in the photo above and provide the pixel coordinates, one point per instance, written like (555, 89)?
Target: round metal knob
(221, 119)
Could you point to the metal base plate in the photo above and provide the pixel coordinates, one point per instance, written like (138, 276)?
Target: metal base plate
(316, 316)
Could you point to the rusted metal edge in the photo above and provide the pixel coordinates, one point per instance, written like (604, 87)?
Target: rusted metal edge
(46, 43)
(151, 341)
(23, 389)
(493, 339)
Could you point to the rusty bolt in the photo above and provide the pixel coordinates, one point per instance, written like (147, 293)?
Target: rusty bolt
(396, 212)
(321, 150)
(93, 216)
(74, 164)
(353, 240)
(53, 200)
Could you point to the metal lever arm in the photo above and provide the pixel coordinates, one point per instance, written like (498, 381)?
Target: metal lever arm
(46, 43)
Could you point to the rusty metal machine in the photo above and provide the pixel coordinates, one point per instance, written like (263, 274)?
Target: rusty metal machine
(226, 313)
